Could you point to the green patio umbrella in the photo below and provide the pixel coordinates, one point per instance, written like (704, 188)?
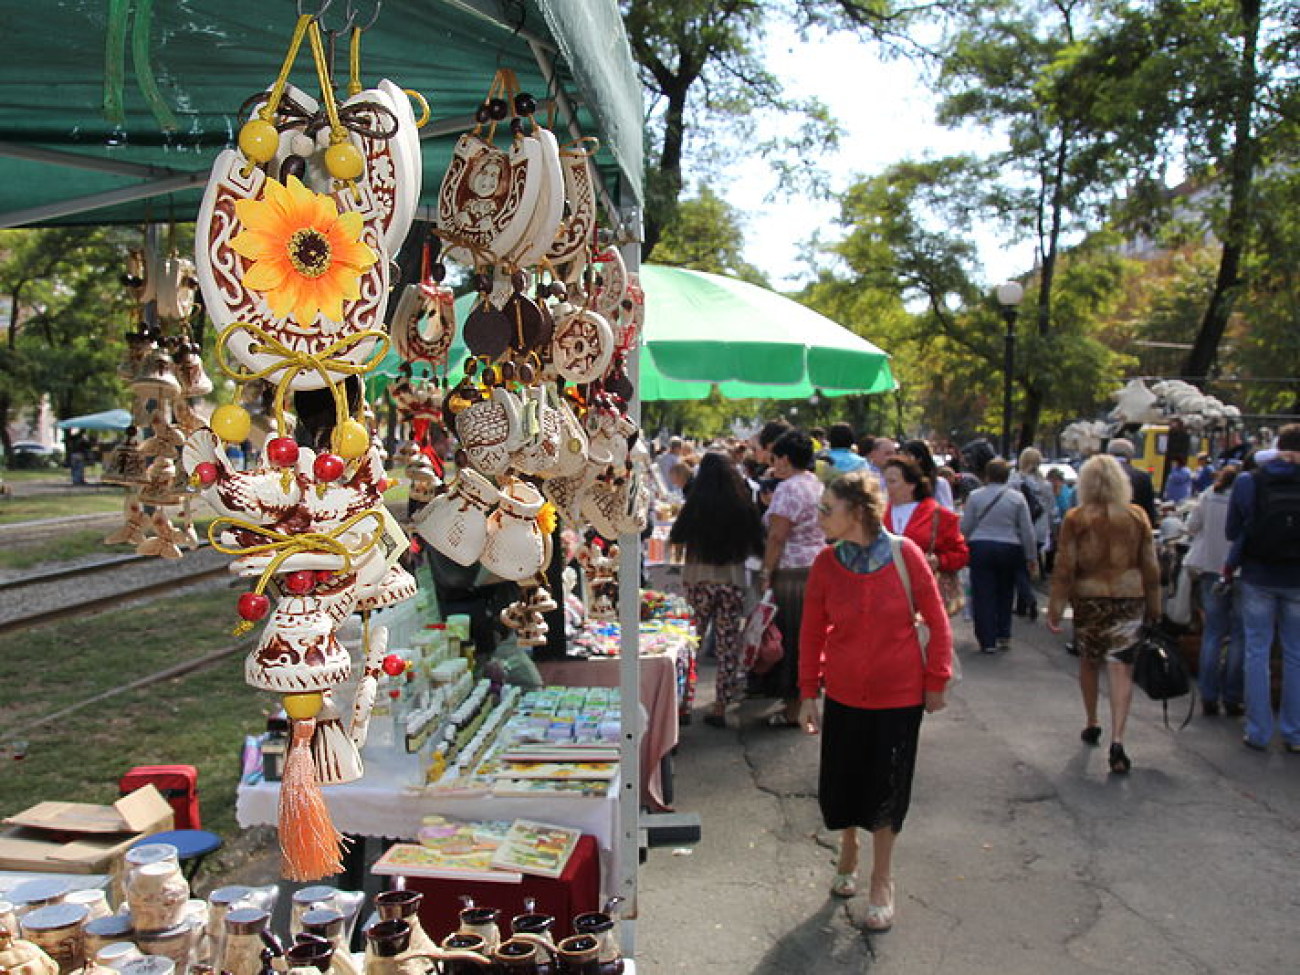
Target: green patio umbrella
(704, 329)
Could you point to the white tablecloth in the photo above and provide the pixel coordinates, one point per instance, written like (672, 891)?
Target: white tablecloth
(380, 804)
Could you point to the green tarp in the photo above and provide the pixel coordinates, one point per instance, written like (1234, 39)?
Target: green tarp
(105, 103)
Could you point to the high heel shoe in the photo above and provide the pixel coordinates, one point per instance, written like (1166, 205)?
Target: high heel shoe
(880, 917)
(1119, 762)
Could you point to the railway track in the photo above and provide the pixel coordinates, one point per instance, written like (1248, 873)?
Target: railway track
(69, 593)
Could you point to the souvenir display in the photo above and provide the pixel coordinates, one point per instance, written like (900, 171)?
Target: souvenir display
(294, 237)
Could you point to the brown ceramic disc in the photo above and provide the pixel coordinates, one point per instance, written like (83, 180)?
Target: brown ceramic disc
(527, 326)
(488, 332)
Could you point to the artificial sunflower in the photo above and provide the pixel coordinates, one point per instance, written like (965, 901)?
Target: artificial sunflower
(307, 257)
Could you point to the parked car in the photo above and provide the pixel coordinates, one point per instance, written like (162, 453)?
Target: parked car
(32, 454)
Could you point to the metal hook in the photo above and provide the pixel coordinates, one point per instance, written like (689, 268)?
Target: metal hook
(352, 17)
(324, 7)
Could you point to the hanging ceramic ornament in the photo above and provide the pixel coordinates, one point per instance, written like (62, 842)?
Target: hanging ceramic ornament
(516, 533)
(577, 229)
(489, 197)
(610, 282)
(176, 287)
(582, 344)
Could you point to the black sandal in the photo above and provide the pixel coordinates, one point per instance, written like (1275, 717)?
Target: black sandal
(1119, 762)
(1091, 735)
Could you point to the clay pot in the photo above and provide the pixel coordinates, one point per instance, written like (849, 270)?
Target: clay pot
(456, 523)
(56, 930)
(489, 431)
(515, 547)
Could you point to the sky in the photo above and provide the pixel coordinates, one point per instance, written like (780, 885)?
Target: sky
(886, 115)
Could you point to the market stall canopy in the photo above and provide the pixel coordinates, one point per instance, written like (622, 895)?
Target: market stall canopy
(108, 420)
(704, 329)
(112, 110)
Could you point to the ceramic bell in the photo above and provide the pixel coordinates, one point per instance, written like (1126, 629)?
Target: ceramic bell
(455, 523)
(515, 547)
(572, 458)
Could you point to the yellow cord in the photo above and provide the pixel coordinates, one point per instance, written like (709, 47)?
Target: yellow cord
(277, 91)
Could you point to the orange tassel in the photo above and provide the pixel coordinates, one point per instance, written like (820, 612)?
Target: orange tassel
(310, 846)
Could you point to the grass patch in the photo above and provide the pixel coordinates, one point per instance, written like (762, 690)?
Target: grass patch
(67, 547)
(199, 719)
(78, 501)
(71, 546)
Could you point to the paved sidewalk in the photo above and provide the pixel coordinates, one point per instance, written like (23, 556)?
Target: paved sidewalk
(1021, 853)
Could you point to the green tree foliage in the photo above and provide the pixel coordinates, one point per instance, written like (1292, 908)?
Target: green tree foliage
(703, 68)
(707, 234)
(66, 311)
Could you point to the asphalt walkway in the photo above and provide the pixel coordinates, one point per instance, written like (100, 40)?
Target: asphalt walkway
(1021, 854)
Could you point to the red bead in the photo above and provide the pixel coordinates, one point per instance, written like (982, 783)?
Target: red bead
(282, 451)
(394, 665)
(300, 583)
(207, 473)
(253, 606)
(328, 467)
(324, 577)
(394, 693)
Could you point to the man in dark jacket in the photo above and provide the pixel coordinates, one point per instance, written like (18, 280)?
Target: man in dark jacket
(1144, 492)
(1264, 526)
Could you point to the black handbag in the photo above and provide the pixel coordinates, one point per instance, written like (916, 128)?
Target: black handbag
(1158, 669)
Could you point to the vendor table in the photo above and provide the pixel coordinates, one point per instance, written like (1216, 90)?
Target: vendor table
(383, 804)
(658, 697)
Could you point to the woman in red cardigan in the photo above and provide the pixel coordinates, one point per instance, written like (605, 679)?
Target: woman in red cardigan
(858, 641)
(913, 513)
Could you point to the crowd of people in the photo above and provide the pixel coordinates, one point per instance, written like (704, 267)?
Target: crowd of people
(870, 547)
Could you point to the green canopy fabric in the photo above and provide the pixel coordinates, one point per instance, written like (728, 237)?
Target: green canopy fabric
(704, 329)
(112, 110)
(107, 420)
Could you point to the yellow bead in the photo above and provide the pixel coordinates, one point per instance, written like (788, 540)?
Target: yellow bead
(351, 440)
(344, 161)
(300, 707)
(258, 140)
(231, 423)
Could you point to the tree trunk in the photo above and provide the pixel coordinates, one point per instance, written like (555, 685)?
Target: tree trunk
(668, 177)
(1241, 176)
(1035, 394)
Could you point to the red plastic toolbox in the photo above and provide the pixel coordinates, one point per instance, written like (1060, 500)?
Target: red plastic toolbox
(179, 785)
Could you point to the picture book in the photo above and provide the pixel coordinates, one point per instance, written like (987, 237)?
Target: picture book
(451, 850)
(536, 848)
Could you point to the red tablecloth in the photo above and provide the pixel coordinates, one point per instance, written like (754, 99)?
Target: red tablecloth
(658, 697)
(575, 891)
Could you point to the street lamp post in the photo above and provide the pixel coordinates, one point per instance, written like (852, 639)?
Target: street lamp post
(1009, 295)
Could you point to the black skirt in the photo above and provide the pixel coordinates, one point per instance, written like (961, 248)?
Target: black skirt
(868, 757)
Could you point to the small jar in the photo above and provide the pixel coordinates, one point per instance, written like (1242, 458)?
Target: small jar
(239, 950)
(117, 953)
(34, 894)
(176, 943)
(310, 951)
(146, 853)
(304, 900)
(483, 922)
(579, 955)
(93, 899)
(102, 931)
(157, 893)
(56, 930)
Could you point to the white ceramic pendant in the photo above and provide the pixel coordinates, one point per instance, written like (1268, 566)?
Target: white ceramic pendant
(577, 231)
(515, 546)
(582, 346)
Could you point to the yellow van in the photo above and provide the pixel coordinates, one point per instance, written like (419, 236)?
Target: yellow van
(1152, 443)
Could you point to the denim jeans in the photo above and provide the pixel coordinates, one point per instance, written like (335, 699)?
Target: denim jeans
(1221, 677)
(1266, 610)
(993, 568)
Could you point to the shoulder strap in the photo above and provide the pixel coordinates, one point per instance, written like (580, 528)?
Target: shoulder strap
(934, 530)
(980, 517)
(900, 563)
